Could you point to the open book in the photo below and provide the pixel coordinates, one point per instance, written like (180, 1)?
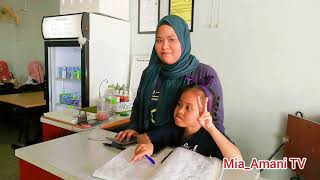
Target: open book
(180, 164)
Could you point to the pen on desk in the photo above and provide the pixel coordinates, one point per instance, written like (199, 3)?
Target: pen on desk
(166, 157)
(150, 159)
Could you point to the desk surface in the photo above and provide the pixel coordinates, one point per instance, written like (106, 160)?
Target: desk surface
(26, 100)
(78, 155)
(71, 157)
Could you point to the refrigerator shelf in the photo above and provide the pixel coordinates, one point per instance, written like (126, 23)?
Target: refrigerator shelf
(67, 106)
(67, 79)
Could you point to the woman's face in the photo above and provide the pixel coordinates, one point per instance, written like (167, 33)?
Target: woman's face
(167, 45)
(186, 113)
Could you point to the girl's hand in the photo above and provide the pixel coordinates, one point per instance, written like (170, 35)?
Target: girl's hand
(141, 150)
(126, 134)
(205, 118)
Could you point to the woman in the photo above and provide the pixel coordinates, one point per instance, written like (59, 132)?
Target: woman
(5, 74)
(171, 68)
(35, 73)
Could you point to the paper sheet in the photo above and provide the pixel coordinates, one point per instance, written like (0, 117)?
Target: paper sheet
(119, 167)
(186, 164)
(181, 164)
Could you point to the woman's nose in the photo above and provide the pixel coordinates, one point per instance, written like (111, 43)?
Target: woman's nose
(165, 44)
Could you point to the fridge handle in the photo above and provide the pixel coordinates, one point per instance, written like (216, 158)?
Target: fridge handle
(45, 93)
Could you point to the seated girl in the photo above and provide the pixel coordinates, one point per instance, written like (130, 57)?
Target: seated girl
(194, 129)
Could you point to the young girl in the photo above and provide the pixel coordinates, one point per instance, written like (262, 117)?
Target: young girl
(194, 129)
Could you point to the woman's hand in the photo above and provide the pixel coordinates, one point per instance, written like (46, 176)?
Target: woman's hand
(126, 134)
(141, 150)
(205, 118)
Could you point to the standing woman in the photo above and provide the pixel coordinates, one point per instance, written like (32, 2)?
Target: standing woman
(171, 68)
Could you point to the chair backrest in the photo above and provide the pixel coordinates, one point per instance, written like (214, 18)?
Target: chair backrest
(5, 74)
(35, 71)
(7, 88)
(30, 88)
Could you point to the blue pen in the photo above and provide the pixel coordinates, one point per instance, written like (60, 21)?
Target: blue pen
(150, 159)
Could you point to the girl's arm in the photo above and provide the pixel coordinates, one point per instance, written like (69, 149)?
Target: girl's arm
(227, 148)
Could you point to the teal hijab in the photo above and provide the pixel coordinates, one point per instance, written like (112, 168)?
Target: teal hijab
(173, 75)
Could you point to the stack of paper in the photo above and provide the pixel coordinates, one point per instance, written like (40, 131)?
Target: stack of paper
(181, 164)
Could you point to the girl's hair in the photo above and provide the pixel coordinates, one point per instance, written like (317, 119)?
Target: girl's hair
(206, 93)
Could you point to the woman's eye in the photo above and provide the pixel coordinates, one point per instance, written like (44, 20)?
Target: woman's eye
(172, 39)
(158, 40)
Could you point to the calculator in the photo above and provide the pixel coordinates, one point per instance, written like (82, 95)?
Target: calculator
(124, 142)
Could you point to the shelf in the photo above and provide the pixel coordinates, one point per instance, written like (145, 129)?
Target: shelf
(67, 79)
(67, 106)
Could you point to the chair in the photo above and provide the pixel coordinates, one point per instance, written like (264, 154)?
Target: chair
(7, 88)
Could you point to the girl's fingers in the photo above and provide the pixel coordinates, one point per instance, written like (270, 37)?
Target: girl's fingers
(199, 105)
(205, 105)
(138, 155)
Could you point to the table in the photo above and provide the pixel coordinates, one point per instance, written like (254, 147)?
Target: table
(77, 156)
(54, 128)
(26, 106)
(25, 100)
(70, 157)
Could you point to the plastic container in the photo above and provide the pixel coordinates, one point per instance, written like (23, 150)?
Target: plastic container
(103, 109)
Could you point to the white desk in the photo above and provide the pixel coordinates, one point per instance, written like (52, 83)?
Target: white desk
(53, 127)
(113, 121)
(77, 157)
(70, 157)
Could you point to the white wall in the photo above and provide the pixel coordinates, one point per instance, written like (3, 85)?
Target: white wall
(19, 44)
(267, 55)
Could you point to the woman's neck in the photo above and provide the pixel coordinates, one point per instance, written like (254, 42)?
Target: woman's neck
(188, 131)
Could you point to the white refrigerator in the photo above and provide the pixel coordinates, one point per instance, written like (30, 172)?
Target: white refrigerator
(82, 50)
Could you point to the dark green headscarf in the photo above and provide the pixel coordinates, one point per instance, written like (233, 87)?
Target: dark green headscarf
(174, 78)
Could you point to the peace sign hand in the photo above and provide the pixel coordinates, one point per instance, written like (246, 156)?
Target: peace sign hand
(205, 118)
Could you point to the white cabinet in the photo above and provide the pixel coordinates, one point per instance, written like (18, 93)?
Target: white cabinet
(115, 8)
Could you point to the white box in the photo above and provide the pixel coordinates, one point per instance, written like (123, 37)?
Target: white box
(114, 8)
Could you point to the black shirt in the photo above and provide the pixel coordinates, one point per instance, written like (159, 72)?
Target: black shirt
(154, 101)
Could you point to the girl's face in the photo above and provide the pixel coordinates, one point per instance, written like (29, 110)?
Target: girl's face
(187, 111)
(167, 45)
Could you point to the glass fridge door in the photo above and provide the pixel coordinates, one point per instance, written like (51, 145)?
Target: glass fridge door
(64, 66)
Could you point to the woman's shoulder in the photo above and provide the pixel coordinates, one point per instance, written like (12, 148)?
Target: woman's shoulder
(204, 70)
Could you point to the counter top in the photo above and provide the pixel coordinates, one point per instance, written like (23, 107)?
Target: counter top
(71, 157)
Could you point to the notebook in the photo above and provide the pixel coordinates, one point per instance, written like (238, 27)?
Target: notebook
(180, 164)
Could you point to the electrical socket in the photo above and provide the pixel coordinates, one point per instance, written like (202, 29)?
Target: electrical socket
(213, 25)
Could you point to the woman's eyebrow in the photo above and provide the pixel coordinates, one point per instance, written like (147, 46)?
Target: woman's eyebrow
(166, 36)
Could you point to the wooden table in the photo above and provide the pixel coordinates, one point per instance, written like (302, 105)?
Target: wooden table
(25, 100)
(25, 104)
